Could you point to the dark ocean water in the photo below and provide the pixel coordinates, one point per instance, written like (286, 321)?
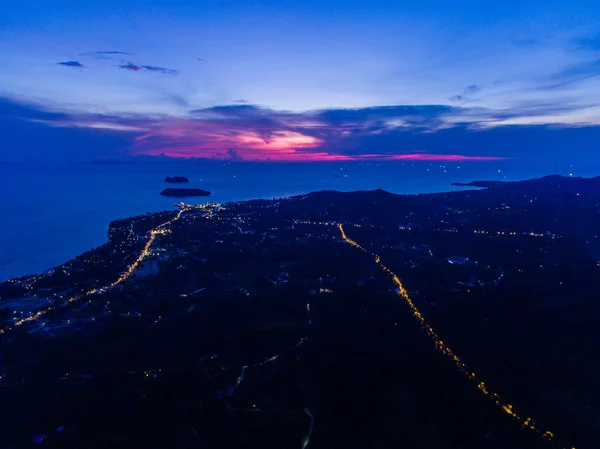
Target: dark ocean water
(51, 213)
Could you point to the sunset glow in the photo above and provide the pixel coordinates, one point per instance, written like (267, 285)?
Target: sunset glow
(269, 138)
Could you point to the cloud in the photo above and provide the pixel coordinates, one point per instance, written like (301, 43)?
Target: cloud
(130, 66)
(148, 68)
(105, 54)
(230, 155)
(151, 68)
(575, 73)
(402, 132)
(90, 124)
(472, 88)
(29, 134)
(334, 134)
(74, 64)
(240, 101)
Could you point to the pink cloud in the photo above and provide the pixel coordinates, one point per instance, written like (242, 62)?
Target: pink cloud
(189, 138)
(214, 138)
(247, 132)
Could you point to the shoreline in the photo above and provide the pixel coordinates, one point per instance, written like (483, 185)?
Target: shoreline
(53, 235)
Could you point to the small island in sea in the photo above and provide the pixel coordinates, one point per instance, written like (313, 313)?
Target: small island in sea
(176, 179)
(184, 192)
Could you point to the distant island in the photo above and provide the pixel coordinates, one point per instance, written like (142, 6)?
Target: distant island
(546, 182)
(483, 184)
(184, 192)
(176, 179)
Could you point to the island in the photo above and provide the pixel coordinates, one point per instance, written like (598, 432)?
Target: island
(482, 184)
(176, 179)
(547, 183)
(184, 192)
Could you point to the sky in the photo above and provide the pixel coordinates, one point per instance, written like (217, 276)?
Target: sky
(300, 80)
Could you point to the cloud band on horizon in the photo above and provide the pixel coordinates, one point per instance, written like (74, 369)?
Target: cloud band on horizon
(251, 133)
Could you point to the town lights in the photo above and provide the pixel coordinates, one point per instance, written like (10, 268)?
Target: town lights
(143, 254)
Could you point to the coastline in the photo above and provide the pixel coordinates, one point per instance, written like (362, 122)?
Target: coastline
(40, 232)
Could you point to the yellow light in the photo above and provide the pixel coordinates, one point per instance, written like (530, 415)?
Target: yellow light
(445, 350)
(123, 277)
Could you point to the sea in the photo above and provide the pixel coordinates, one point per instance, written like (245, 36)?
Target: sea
(50, 213)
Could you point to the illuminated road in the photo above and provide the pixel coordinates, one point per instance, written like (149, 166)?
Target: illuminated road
(306, 440)
(524, 421)
(159, 230)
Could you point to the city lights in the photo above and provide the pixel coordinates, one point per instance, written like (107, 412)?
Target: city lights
(159, 230)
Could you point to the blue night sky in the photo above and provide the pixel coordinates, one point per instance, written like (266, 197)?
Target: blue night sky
(300, 80)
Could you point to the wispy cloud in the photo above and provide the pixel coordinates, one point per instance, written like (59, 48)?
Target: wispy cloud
(89, 123)
(130, 66)
(148, 68)
(74, 64)
(466, 93)
(105, 54)
(151, 68)
(575, 73)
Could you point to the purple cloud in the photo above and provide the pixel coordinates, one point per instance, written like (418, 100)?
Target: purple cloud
(147, 68)
(74, 64)
(130, 66)
(230, 155)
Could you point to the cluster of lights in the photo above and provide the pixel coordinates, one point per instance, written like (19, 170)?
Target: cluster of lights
(159, 230)
(532, 234)
(453, 230)
(525, 422)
